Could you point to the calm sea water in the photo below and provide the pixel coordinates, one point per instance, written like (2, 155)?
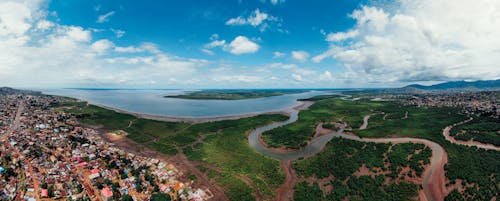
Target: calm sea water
(153, 102)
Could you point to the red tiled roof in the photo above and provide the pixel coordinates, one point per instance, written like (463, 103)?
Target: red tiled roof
(106, 192)
(45, 193)
(95, 170)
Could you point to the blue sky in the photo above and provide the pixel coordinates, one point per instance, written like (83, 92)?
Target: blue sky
(185, 26)
(246, 43)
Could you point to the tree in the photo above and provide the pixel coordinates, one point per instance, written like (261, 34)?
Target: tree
(127, 197)
(160, 197)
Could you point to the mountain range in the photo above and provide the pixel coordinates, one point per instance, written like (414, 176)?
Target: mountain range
(480, 85)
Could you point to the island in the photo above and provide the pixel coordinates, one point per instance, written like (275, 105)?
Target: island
(235, 94)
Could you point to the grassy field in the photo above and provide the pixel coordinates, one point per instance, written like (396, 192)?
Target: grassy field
(224, 146)
(234, 94)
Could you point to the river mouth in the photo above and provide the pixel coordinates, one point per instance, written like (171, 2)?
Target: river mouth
(153, 103)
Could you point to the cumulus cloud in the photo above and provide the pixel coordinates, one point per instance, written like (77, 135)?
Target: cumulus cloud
(326, 76)
(428, 40)
(256, 19)
(44, 25)
(102, 46)
(278, 54)
(239, 45)
(105, 17)
(301, 56)
(242, 45)
(67, 55)
(14, 18)
(297, 77)
(340, 36)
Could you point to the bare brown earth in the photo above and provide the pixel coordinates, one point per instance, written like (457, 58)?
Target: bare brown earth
(434, 181)
(285, 191)
(180, 161)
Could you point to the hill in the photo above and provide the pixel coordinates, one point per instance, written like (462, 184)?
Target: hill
(480, 85)
(11, 91)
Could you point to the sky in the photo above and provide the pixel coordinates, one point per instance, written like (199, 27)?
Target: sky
(247, 43)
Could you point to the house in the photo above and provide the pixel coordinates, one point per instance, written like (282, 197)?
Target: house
(45, 193)
(107, 194)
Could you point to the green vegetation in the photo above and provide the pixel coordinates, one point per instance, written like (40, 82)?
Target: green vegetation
(235, 94)
(481, 129)
(476, 167)
(224, 146)
(325, 109)
(345, 157)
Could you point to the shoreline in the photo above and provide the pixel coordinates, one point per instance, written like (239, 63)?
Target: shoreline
(285, 111)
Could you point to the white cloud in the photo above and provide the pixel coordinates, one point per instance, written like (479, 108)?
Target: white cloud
(326, 76)
(44, 25)
(236, 21)
(256, 19)
(237, 78)
(301, 56)
(275, 2)
(14, 18)
(77, 33)
(297, 77)
(118, 33)
(66, 55)
(105, 17)
(294, 68)
(340, 36)
(128, 49)
(215, 43)
(242, 45)
(101, 46)
(207, 51)
(278, 54)
(428, 40)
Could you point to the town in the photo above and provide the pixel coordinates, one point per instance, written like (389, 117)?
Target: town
(45, 155)
(483, 103)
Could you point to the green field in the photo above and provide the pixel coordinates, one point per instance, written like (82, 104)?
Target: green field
(234, 94)
(224, 146)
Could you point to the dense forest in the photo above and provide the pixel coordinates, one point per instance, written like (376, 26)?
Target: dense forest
(344, 158)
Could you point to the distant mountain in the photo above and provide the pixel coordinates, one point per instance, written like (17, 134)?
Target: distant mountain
(481, 85)
(11, 91)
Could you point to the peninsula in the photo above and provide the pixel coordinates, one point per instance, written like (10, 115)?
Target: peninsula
(235, 94)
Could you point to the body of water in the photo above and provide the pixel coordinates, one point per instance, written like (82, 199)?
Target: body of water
(153, 102)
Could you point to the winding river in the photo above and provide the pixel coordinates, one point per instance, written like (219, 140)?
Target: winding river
(434, 177)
